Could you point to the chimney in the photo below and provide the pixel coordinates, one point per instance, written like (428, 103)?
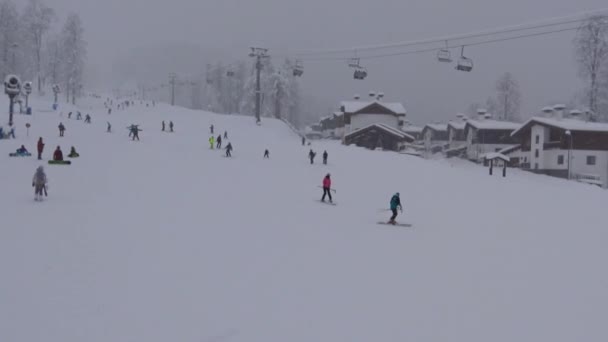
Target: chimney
(481, 113)
(356, 97)
(559, 111)
(547, 112)
(576, 114)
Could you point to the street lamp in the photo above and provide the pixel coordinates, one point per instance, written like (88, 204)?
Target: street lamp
(569, 134)
(12, 88)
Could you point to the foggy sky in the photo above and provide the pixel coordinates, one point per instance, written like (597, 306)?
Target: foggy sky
(544, 66)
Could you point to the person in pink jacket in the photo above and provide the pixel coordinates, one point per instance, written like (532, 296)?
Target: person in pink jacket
(326, 188)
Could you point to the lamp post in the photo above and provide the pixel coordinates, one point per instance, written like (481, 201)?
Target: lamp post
(569, 134)
(12, 88)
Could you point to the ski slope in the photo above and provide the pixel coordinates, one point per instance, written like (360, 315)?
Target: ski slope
(166, 240)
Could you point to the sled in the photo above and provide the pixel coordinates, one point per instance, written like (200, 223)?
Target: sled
(14, 154)
(59, 162)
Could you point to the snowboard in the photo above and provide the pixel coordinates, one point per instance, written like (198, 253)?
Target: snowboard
(19, 154)
(396, 224)
(73, 156)
(59, 162)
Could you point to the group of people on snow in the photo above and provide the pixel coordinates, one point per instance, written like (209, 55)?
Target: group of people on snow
(312, 154)
(170, 126)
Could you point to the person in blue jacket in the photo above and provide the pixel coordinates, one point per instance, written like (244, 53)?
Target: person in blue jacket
(395, 203)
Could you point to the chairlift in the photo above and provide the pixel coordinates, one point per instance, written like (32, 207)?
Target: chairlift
(444, 55)
(354, 62)
(360, 73)
(464, 63)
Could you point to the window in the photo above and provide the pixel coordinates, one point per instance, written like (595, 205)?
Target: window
(590, 160)
(537, 139)
(560, 160)
(536, 153)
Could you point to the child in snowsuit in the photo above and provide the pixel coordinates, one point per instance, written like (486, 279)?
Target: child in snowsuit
(211, 141)
(327, 188)
(40, 148)
(61, 129)
(395, 203)
(39, 182)
(229, 150)
(312, 155)
(58, 155)
(325, 157)
(219, 141)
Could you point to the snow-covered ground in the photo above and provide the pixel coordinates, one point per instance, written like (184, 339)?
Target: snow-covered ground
(166, 240)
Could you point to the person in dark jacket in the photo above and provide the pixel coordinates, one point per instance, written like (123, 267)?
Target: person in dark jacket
(229, 150)
(171, 126)
(40, 148)
(266, 154)
(395, 204)
(219, 141)
(58, 155)
(211, 129)
(312, 155)
(73, 153)
(61, 129)
(325, 157)
(225, 134)
(162, 126)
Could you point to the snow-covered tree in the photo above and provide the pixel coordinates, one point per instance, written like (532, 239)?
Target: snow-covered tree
(9, 37)
(591, 49)
(74, 49)
(36, 21)
(508, 98)
(54, 60)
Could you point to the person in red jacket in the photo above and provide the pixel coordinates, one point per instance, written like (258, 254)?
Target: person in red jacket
(327, 188)
(40, 148)
(58, 155)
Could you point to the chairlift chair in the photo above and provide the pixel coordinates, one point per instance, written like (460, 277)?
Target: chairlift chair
(444, 54)
(464, 63)
(360, 73)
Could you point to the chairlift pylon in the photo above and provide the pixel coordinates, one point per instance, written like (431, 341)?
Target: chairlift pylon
(444, 54)
(464, 63)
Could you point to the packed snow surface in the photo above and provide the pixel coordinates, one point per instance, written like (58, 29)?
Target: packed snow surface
(167, 240)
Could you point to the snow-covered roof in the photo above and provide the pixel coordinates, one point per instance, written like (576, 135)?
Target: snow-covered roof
(437, 127)
(567, 124)
(457, 124)
(493, 124)
(387, 128)
(509, 149)
(495, 155)
(355, 106)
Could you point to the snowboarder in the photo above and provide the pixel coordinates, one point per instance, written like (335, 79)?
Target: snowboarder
(312, 155)
(87, 119)
(229, 150)
(58, 155)
(22, 151)
(219, 141)
(211, 129)
(266, 154)
(162, 126)
(73, 153)
(211, 142)
(39, 182)
(61, 129)
(109, 130)
(171, 126)
(327, 188)
(395, 203)
(325, 157)
(225, 134)
(40, 148)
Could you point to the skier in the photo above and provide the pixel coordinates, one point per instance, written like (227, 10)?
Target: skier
(58, 155)
(266, 154)
(87, 119)
(219, 141)
(109, 130)
(327, 188)
(73, 153)
(39, 182)
(395, 203)
(40, 148)
(312, 155)
(171, 126)
(134, 132)
(163, 126)
(211, 129)
(325, 157)
(211, 142)
(229, 150)
(225, 134)
(61, 129)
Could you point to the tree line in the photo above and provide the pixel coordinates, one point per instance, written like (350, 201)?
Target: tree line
(35, 48)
